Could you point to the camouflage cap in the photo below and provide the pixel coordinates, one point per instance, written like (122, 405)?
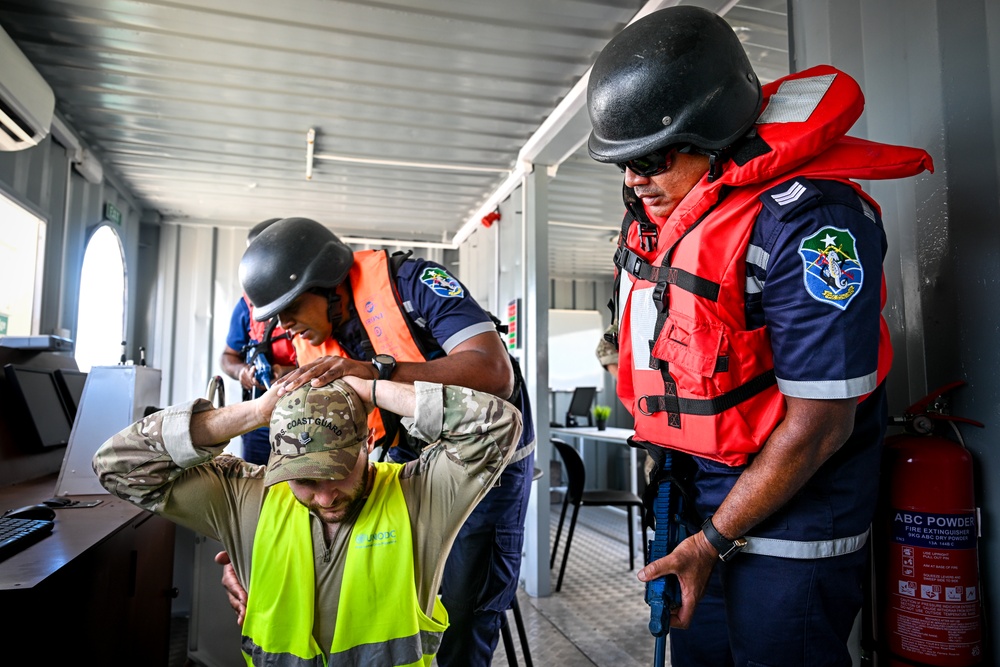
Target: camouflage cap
(316, 433)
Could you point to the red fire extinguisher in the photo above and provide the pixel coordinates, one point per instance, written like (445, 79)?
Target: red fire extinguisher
(926, 546)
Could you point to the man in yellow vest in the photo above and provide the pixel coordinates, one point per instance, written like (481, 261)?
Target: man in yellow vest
(372, 314)
(342, 556)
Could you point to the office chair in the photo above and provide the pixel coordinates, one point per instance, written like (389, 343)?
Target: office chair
(576, 476)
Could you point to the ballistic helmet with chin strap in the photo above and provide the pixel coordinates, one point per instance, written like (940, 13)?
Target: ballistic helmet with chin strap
(676, 76)
(286, 259)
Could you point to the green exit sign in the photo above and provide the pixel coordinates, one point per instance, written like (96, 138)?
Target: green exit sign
(112, 214)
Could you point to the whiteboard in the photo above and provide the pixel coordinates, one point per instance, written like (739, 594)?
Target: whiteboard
(573, 339)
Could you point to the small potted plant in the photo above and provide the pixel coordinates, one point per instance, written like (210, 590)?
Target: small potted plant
(601, 414)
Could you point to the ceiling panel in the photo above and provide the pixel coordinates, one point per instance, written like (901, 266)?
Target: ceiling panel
(201, 107)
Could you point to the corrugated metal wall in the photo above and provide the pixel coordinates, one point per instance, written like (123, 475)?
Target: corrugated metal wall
(41, 180)
(934, 84)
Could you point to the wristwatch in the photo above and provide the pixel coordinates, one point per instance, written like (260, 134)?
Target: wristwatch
(727, 548)
(386, 364)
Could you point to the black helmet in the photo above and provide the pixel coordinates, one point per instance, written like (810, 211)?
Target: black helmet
(677, 76)
(259, 227)
(288, 258)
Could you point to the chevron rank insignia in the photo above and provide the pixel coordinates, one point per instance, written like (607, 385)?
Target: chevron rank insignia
(786, 199)
(832, 270)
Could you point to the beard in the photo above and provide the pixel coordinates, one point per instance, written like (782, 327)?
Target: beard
(350, 505)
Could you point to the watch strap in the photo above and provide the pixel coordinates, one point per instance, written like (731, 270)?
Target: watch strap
(727, 548)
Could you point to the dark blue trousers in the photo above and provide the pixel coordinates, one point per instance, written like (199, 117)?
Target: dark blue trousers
(257, 446)
(761, 610)
(481, 575)
(766, 610)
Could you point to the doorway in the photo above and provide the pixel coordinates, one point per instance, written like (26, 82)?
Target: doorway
(100, 331)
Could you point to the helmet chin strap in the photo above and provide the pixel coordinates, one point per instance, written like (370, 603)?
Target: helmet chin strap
(715, 160)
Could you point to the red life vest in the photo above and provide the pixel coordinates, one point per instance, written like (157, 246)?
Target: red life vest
(704, 383)
(380, 310)
(282, 351)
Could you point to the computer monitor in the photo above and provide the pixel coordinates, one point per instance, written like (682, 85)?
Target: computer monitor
(579, 405)
(71, 384)
(38, 392)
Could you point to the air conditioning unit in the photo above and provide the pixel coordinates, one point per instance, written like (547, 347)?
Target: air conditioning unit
(26, 100)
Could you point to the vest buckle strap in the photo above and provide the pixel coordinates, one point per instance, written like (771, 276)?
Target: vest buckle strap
(638, 266)
(670, 403)
(696, 285)
(659, 292)
(654, 363)
(649, 405)
(647, 235)
(631, 263)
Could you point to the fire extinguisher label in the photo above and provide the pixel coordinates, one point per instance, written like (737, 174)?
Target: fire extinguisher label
(940, 531)
(933, 615)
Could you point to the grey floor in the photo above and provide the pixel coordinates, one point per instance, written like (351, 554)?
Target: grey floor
(599, 618)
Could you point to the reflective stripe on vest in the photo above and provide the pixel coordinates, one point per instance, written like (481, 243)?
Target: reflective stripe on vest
(378, 576)
(766, 546)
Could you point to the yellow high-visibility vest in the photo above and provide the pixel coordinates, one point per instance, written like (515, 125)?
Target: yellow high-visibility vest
(379, 619)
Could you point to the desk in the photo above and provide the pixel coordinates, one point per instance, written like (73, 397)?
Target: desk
(99, 586)
(617, 436)
(612, 435)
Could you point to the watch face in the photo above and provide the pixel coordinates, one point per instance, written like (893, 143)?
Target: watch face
(385, 364)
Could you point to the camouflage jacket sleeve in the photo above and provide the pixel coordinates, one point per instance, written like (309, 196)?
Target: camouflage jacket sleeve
(142, 463)
(472, 437)
(475, 429)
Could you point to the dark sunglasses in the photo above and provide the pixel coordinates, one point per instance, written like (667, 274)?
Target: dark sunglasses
(654, 163)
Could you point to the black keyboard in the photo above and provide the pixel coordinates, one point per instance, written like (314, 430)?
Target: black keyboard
(17, 534)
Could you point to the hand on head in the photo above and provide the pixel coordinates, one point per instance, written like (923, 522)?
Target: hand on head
(266, 402)
(324, 371)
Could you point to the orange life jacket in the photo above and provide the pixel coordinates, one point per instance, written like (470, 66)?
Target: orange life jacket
(380, 310)
(705, 384)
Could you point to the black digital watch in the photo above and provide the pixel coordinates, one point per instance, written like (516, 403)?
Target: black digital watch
(385, 364)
